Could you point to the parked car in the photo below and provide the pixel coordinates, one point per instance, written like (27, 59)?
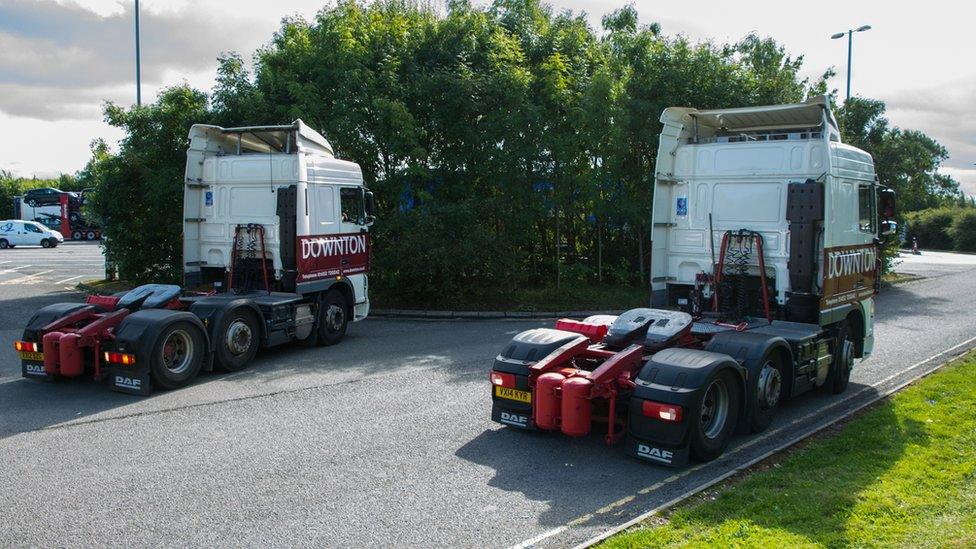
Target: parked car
(49, 196)
(16, 232)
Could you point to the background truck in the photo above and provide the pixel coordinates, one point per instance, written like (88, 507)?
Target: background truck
(275, 249)
(57, 210)
(765, 263)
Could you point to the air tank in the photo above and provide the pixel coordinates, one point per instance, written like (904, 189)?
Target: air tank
(576, 407)
(547, 399)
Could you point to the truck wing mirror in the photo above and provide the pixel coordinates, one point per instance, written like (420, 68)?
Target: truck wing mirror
(886, 203)
(370, 205)
(888, 227)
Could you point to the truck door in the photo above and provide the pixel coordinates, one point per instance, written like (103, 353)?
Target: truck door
(355, 264)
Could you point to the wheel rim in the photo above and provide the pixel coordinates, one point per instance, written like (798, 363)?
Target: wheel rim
(335, 317)
(239, 337)
(770, 385)
(45, 244)
(4, 244)
(714, 409)
(177, 352)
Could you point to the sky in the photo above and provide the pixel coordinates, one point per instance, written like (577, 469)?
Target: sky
(60, 60)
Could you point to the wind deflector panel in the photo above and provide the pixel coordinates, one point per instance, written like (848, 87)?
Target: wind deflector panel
(805, 212)
(287, 223)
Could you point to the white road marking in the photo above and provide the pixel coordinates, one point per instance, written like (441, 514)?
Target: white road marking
(12, 269)
(644, 516)
(68, 279)
(28, 279)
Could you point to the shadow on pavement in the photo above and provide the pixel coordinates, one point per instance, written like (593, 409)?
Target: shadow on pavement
(576, 477)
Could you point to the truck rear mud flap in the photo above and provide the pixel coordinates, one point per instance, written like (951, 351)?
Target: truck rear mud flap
(647, 450)
(129, 381)
(33, 369)
(513, 415)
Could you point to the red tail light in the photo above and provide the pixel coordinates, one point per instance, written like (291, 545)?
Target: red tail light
(659, 410)
(28, 346)
(120, 358)
(502, 379)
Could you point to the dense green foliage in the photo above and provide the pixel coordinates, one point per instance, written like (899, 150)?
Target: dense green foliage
(508, 145)
(945, 228)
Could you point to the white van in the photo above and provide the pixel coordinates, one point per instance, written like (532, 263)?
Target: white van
(16, 232)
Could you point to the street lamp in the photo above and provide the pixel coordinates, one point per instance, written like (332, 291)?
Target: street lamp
(138, 71)
(850, 41)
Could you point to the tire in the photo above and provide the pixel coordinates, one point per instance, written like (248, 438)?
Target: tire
(4, 244)
(45, 243)
(237, 340)
(90, 235)
(770, 391)
(333, 318)
(177, 356)
(74, 217)
(843, 360)
(76, 235)
(715, 415)
(31, 202)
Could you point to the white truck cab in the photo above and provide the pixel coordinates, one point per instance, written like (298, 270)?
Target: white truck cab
(16, 232)
(313, 211)
(781, 172)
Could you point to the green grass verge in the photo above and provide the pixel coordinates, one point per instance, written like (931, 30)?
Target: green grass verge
(902, 474)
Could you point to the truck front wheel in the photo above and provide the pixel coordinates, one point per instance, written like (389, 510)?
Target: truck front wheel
(238, 340)
(333, 318)
(843, 360)
(715, 415)
(177, 356)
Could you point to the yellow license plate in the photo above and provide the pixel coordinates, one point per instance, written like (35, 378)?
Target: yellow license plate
(513, 394)
(31, 355)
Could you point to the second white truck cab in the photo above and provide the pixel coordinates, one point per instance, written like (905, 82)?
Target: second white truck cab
(15, 232)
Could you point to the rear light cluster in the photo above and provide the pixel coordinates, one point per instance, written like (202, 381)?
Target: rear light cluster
(502, 379)
(120, 358)
(28, 346)
(662, 411)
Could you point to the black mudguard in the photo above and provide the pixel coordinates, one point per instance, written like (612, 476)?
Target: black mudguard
(137, 335)
(34, 332)
(672, 376)
(525, 349)
(749, 349)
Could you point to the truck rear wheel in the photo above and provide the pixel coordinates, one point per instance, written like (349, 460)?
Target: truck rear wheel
(333, 318)
(715, 415)
(769, 392)
(177, 356)
(237, 340)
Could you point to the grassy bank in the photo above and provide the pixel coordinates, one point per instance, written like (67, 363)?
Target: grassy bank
(901, 474)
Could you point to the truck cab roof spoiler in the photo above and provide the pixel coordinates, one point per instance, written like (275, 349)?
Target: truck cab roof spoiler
(293, 137)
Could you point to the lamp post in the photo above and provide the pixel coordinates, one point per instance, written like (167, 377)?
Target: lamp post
(850, 45)
(138, 75)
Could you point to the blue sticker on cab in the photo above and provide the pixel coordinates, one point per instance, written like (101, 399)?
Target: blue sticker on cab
(681, 206)
(208, 198)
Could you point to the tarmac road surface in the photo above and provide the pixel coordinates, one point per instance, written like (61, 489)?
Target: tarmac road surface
(381, 440)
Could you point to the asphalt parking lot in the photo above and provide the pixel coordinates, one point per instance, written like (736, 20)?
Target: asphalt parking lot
(51, 268)
(381, 440)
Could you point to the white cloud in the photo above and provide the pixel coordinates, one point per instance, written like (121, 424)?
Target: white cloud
(60, 59)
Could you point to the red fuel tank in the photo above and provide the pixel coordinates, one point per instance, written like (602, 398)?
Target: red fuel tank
(546, 406)
(51, 344)
(576, 407)
(72, 359)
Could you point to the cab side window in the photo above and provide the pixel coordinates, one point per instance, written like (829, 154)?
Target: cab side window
(31, 228)
(865, 208)
(351, 201)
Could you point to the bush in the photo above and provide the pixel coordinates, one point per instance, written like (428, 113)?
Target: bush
(963, 231)
(930, 227)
